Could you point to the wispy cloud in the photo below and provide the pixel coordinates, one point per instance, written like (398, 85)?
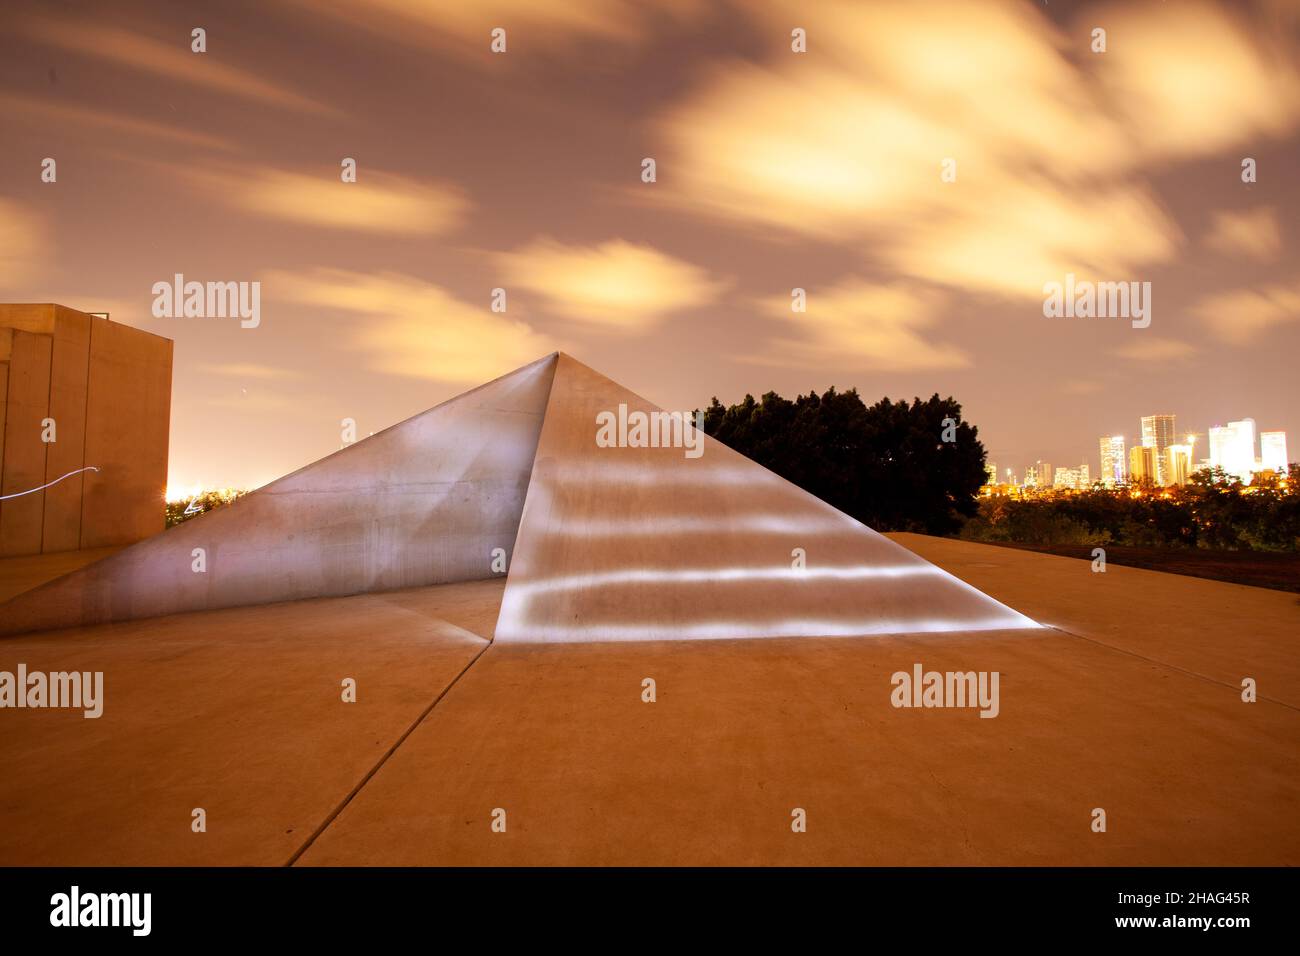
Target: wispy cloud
(173, 60)
(42, 111)
(1147, 348)
(1253, 233)
(404, 325)
(539, 28)
(1081, 386)
(23, 241)
(616, 284)
(250, 370)
(1242, 316)
(259, 401)
(378, 202)
(860, 324)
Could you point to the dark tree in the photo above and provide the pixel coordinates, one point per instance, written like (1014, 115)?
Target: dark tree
(887, 465)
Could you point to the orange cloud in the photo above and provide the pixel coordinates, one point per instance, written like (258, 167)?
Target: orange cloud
(250, 370)
(1191, 81)
(847, 142)
(1242, 316)
(530, 26)
(22, 241)
(45, 112)
(1146, 348)
(617, 284)
(1253, 233)
(412, 327)
(377, 202)
(173, 60)
(860, 324)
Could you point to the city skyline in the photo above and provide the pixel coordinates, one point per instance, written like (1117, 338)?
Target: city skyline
(1238, 447)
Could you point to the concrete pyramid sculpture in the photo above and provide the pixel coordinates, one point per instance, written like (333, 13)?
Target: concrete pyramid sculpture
(623, 541)
(426, 501)
(616, 520)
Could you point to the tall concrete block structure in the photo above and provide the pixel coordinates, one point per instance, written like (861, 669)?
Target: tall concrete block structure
(102, 391)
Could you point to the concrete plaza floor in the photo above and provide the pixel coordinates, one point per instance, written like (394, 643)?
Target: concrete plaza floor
(1129, 701)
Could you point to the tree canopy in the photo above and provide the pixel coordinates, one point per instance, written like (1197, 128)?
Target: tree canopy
(887, 464)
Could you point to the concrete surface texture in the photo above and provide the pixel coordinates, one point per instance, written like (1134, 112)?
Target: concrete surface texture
(107, 389)
(238, 712)
(25, 573)
(426, 501)
(654, 543)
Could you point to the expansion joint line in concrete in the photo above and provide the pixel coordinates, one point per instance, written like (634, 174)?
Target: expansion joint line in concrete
(1172, 667)
(382, 760)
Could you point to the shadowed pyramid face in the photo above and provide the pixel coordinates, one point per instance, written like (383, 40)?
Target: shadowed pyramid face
(432, 500)
(603, 543)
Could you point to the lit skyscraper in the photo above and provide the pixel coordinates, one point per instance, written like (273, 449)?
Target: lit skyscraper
(1142, 464)
(1158, 433)
(1074, 478)
(1232, 448)
(1220, 440)
(1272, 451)
(1039, 474)
(1112, 461)
(1178, 464)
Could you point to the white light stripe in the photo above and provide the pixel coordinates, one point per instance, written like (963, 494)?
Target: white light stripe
(699, 472)
(647, 526)
(32, 491)
(735, 630)
(599, 579)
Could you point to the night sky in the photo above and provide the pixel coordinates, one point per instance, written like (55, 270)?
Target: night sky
(775, 170)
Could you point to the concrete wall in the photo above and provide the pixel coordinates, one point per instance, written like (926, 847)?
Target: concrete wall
(424, 502)
(128, 414)
(69, 364)
(107, 387)
(24, 463)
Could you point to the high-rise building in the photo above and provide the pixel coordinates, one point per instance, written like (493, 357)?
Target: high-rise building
(1221, 437)
(1272, 451)
(1039, 474)
(1232, 448)
(1142, 464)
(1073, 478)
(1178, 464)
(991, 473)
(1113, 470)
(1158, 433)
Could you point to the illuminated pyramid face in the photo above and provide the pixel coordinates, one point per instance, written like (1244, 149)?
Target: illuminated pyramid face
(691, 540)
(616, 521)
